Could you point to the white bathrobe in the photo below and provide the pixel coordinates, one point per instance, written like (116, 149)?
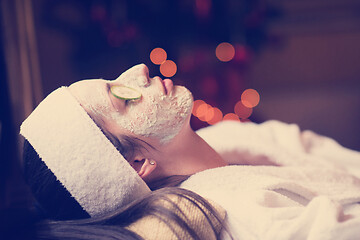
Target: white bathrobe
(287, 184)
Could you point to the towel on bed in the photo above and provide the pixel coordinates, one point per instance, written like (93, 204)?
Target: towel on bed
(307, 192)
(277, 143)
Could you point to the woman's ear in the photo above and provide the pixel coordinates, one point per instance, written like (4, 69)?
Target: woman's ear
(144, 167)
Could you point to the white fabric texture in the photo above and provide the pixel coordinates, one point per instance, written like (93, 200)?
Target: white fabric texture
(81, 157)
(304, 186)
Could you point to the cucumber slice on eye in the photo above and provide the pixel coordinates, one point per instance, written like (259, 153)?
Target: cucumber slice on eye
(125, 93)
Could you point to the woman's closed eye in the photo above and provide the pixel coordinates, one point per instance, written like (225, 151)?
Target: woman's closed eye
(130, 96)
(117, 103)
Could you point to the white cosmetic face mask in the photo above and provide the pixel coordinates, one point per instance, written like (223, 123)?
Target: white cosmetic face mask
(154, 115)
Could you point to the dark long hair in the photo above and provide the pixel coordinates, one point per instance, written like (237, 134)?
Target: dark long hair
(161, 204)
(68, 220)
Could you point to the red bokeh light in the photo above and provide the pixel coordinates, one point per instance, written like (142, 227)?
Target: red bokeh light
(231, 117)
(242, 111)
(225, 52)
(250, 98)
(158, 56)
(168, 68)
(217, 117)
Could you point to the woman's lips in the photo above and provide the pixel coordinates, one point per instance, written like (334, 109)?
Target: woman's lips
(168, 84)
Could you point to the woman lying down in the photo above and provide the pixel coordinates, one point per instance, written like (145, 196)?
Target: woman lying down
(100, 149)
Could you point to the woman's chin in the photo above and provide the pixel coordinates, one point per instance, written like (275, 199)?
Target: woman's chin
(181, 90)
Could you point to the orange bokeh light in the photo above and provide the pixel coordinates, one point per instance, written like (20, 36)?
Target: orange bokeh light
(250, 98)
(231, 116)
(245, 120)
(217, 117)
(168, 68)
(242, 111)
(196, 105)
(225, 52)
(209, 114)
(158, 56)
(201, 110)
(206, 112)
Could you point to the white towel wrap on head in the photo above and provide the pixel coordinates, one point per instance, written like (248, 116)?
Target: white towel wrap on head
(80, 156)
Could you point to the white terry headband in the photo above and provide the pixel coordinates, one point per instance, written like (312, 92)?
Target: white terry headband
(81, 157)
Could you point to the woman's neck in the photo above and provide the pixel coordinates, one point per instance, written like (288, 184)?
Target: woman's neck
(191, 154)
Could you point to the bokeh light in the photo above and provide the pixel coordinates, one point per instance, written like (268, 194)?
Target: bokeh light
(242, 111)
(201, 110)
(196, 105)
(250, 98)
(168, 68)
(245, 120)
(204, 112)
(225, 52)
(158, 56)
(217, 117)
(209, 114)
(231, 117)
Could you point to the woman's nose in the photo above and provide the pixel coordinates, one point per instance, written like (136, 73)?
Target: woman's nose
(137, 76)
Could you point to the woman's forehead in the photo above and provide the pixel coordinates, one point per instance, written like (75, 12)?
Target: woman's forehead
(91, 94)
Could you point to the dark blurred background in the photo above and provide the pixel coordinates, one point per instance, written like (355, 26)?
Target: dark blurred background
(300, 58)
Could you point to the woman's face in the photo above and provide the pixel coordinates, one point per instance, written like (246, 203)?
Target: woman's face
(161, 112)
